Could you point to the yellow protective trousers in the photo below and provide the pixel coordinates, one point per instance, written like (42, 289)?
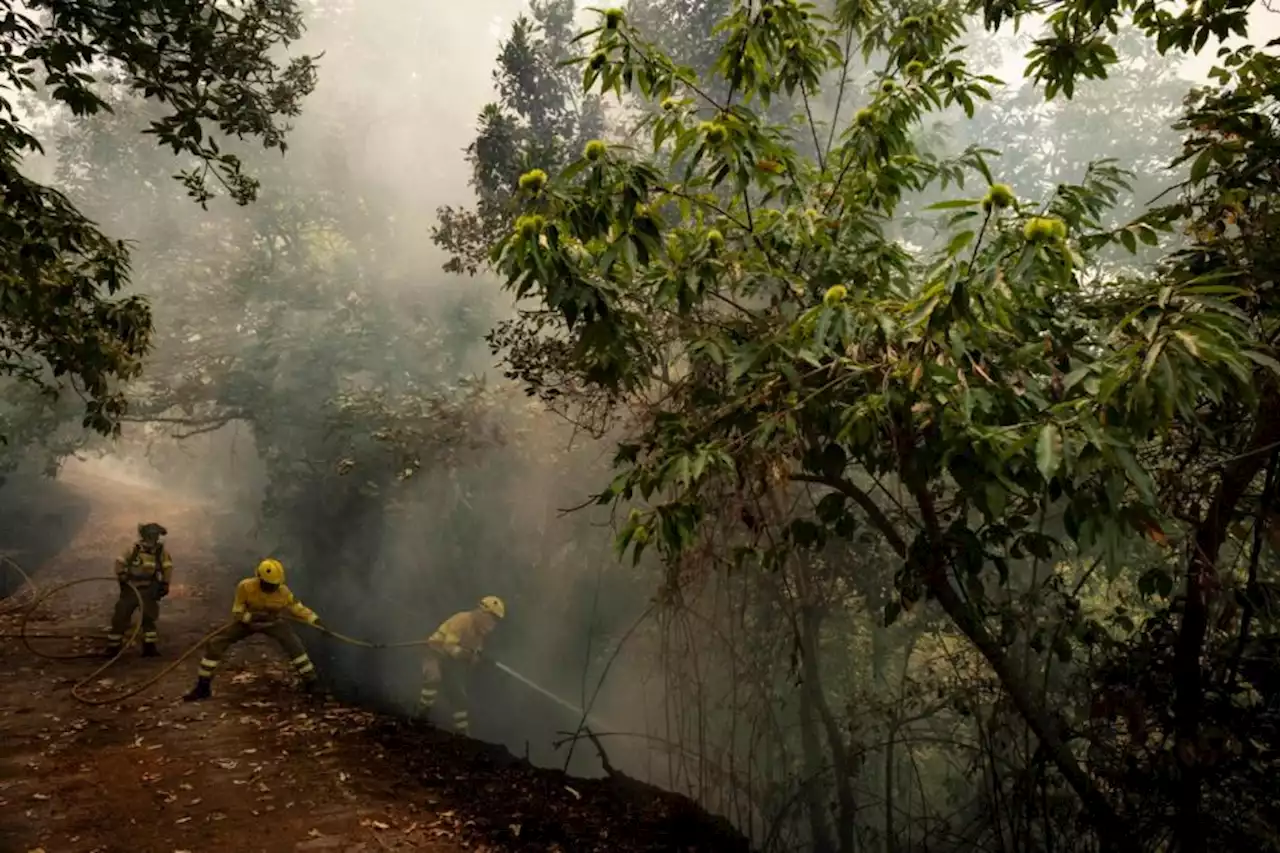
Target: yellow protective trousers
(444, 678)
(281, 632)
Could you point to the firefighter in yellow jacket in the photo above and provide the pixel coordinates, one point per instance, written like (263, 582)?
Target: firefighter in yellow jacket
(144, 569)
(260, 607)
(456, 645)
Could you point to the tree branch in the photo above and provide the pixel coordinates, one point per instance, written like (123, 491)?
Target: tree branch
(864, 501)
(1048, 727)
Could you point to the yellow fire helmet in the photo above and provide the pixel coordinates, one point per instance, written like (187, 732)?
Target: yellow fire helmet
(493, 604)
(271, 571)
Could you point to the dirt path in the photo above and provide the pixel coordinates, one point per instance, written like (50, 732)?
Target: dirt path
(259, 767)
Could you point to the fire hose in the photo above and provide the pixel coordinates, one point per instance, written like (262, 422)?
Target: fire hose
(26, 611)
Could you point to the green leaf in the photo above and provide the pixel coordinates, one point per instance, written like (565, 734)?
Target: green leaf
(1136, 473)
(959, 241)
(1048, 451)
(1200, 168)
(1130, 242)
(744, 361)
(1074, 377)
(1263, 360)
(954, 203)
(994, 494)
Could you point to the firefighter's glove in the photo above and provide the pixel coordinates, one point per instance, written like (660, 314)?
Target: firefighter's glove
(162, 589)
(317, 624)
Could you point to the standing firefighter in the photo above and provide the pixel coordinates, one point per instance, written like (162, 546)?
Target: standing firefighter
(260, 608)
(143, 572)
(455, 646)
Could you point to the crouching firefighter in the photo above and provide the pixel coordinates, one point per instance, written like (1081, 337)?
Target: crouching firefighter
(452, 650)
(143, 572)
(263, 605)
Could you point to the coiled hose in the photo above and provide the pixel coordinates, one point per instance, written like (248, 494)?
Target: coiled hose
(38, 598)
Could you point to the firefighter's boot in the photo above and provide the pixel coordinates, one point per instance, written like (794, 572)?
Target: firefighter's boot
(112, 650)
(149, 650)
(199, 692)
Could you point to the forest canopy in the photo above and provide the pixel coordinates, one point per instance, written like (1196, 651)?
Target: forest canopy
(66, 323)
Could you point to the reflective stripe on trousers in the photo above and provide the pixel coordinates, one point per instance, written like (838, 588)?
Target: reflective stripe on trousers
(302, 663)
(279, 632)
(126, 606)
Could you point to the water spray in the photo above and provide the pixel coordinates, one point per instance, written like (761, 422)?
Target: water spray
(538, 688)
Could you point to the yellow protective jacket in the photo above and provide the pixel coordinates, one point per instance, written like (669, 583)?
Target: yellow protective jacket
(144, 563)
(266, 607)
(462, 635)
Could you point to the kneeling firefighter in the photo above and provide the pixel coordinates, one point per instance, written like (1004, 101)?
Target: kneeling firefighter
(455, 646)
(143, 572)
(260, 607)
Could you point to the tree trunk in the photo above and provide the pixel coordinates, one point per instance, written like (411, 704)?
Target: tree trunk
(846, 806)
(1202, 584)
(890, 801)
(1046, 726)
(815, 799)
(884, 778)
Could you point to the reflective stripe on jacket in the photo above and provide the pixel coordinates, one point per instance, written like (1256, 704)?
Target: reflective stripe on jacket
(144, 563)
(265, 606)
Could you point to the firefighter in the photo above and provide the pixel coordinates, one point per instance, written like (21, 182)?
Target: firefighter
(145, 568)
(455, 646)
(260, 606)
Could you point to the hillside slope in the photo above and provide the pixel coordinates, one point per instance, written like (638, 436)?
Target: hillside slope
(258, 767)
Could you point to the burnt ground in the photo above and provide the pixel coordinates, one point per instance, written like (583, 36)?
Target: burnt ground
(258, 767)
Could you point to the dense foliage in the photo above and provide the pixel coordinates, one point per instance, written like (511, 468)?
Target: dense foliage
(212, 69)
(984, 409)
